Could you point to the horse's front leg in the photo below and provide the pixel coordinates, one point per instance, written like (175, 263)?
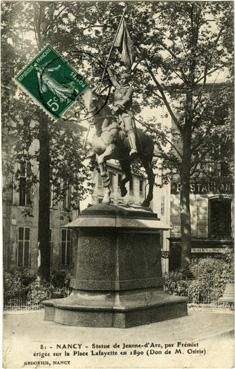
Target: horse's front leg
(107, 193)
(104, 173)
(106, 183)
(101, 159)
(107, 154)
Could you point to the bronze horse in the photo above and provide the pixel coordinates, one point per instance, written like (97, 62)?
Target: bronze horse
(110, 142)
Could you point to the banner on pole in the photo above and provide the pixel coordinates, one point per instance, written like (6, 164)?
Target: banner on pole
(124, 44)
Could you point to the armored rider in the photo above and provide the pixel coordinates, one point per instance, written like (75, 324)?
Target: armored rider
(122, 101)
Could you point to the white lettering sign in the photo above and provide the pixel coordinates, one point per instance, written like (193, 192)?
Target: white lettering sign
(208, 250)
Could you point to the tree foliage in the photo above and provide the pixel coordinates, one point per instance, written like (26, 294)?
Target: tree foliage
(23, 34)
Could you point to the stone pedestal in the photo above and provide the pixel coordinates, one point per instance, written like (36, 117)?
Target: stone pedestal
(118, 281)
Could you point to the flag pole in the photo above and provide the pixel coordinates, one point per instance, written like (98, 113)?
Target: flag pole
(111, 49)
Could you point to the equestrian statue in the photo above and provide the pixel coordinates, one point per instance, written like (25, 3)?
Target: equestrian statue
(116, 137)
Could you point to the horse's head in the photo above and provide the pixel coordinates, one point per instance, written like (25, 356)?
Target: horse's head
(92, 102)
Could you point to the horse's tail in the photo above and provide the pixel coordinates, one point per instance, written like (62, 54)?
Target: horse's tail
(138, 139)
(146, 149)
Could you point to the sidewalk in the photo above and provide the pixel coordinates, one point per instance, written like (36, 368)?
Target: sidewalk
(201, 339)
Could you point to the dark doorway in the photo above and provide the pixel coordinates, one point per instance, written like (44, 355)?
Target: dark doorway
(219, 218)
(175, 256)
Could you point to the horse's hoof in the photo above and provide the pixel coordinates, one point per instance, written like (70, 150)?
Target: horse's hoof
(145, 204)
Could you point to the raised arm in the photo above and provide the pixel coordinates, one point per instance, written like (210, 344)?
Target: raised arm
(52, 69)
(112, 78)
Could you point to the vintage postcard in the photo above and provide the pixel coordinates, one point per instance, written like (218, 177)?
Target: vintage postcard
(117, 184)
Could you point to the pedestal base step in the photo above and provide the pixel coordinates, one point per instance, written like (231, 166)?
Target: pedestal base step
(118, 310)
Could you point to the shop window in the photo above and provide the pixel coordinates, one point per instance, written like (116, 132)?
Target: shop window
(67, 199)
(219, 224)
(174, 256)
(66, 246)
(24, 191)
(23, 256)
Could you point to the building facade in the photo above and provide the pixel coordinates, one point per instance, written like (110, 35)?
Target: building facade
(212, 219)
(20, 232)
(20, 217)
(211, 188)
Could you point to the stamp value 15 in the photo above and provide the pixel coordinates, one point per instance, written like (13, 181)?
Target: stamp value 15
(51, 82)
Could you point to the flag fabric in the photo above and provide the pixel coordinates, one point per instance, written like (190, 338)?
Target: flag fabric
(124, 44)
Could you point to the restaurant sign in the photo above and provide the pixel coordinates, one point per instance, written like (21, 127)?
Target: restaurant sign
(204, 188)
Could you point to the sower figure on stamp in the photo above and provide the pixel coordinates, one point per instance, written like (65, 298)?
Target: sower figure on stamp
(65, 91)
(122, 101)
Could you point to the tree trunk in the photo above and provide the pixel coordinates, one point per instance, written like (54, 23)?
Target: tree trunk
(185, 194)
(44, 198)
(187, 154)
(185, 218)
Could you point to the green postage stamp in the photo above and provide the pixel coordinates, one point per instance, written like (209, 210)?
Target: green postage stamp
(51, 82)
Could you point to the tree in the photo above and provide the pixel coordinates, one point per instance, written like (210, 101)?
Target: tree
(190, 44)
(60, 149)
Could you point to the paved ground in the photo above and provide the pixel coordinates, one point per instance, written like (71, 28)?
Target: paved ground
(201, 339)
